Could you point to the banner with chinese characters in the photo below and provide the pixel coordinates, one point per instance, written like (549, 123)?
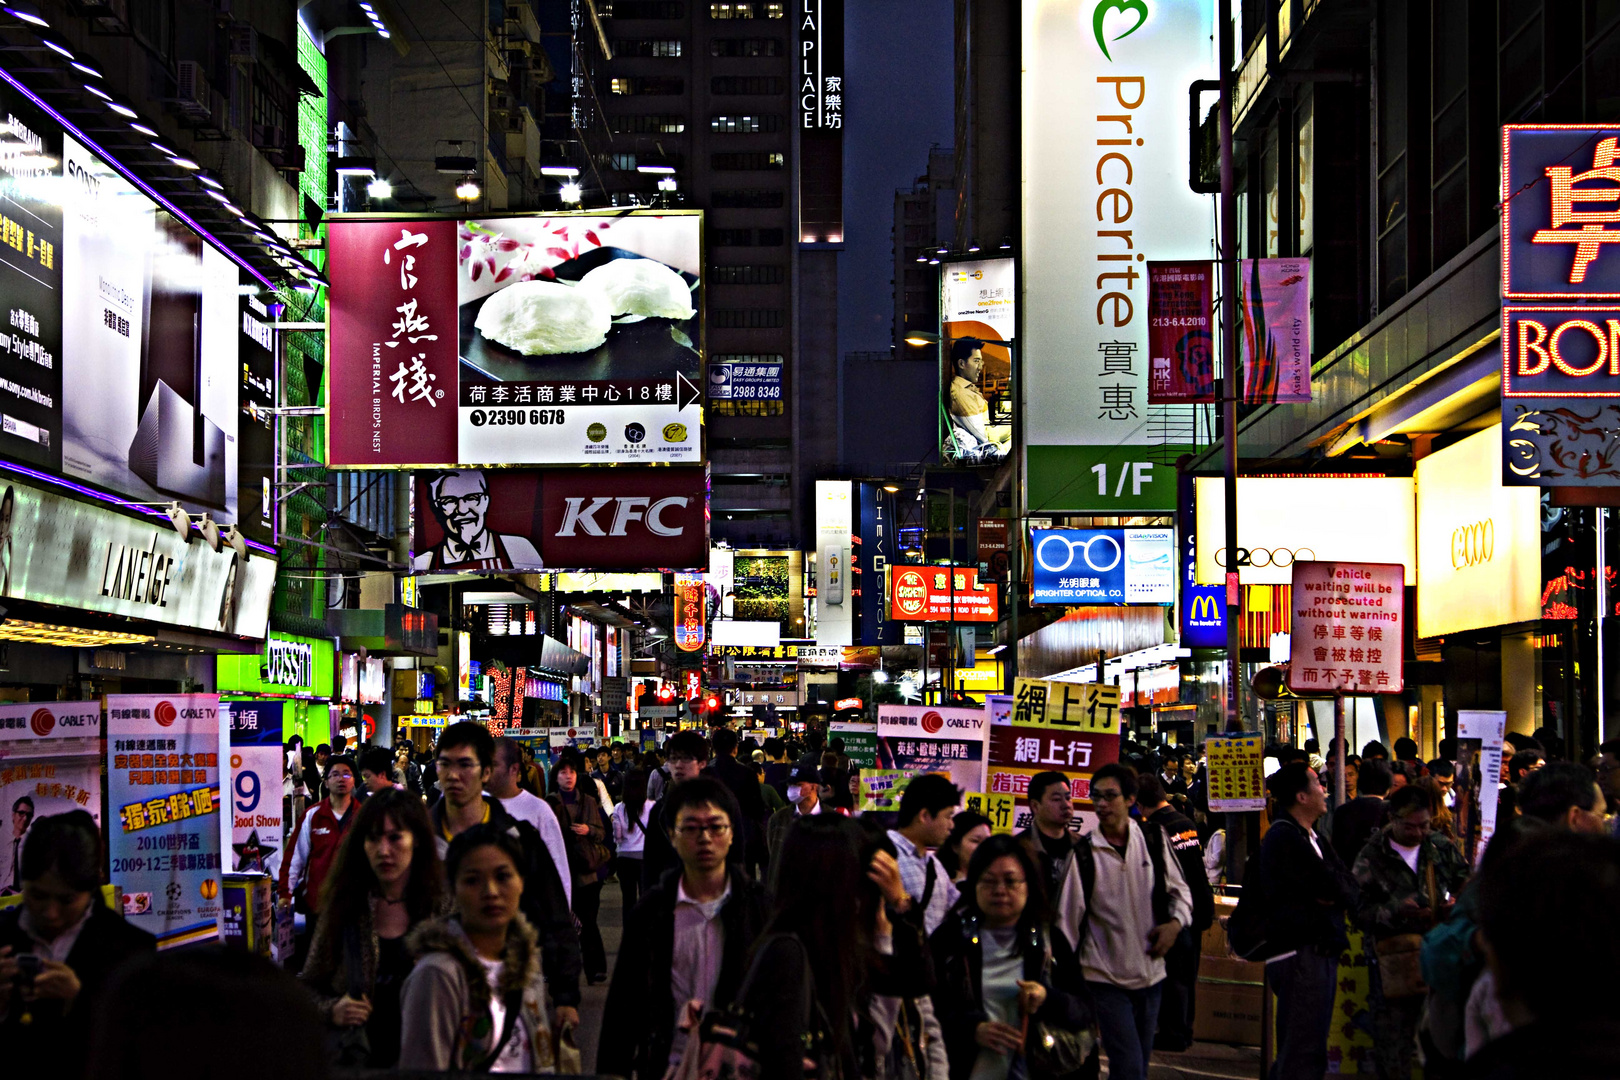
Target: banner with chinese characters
(251, 826)
(1276, 337)
(691, 612)
(1236, 773)
(1181, 346)
(50, 763)
(163, 836)
(928, 594)
(922, 739)
(1347, 631)
(1019, 753)
(999, 809)
(1560, 212)
(556, 339)
(1078, 707)
(860, 740)
(881, 788)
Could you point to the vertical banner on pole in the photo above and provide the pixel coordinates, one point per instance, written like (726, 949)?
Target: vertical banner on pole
(1487, 727)
(163, 836)
(251, 825)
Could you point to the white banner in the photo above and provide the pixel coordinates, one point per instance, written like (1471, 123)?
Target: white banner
(40, 721)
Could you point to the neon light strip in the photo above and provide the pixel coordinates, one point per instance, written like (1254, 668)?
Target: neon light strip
(73, 129)
(102, 496)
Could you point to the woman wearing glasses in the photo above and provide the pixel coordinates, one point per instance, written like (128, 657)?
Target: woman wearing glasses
(997, 965)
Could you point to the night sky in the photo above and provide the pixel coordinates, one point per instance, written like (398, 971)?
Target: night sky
(897, 66)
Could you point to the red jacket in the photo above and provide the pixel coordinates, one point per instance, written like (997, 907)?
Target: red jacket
(313, 854)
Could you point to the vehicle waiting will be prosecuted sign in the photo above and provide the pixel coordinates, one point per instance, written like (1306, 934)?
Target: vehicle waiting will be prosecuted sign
(1348, 628)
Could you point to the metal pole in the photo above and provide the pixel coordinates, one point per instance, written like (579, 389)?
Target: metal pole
(1234, 377)
(1571, 737)
(1339, 793)
(948, 676)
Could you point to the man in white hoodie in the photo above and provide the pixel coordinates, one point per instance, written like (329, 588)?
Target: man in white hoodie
(1121, 906)
(526, 806)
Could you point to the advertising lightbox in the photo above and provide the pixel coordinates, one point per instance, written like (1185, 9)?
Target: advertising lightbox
(1104, 566)
(978, 310)
(562, 339)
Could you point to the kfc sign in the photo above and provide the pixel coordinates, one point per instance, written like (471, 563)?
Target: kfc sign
(561, 519)
(941, 594)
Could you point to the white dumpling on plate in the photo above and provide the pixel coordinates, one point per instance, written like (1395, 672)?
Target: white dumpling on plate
(641, 287)
(540, 318)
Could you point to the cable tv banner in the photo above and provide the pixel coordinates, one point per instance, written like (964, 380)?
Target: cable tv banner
(1104, 566)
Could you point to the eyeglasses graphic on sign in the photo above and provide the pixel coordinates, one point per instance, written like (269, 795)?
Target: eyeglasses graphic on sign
(1054, 546)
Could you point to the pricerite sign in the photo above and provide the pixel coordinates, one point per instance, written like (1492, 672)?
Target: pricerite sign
(941, 594)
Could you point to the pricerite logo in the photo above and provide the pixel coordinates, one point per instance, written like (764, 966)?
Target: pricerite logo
(932, 722)
(42, 723)
(675, 433)
(164, 714)
(596, 432)
(634, 432)
(1127, 9)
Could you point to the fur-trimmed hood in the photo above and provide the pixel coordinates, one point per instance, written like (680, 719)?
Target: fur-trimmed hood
(520, 962)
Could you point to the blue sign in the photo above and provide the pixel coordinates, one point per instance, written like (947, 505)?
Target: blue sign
(1104, 566)
(1561, 217)
(878, 549)
(1203, 617)
(738, 381)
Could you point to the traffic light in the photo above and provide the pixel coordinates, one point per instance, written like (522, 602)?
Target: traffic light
(666, 694)
(711, 704)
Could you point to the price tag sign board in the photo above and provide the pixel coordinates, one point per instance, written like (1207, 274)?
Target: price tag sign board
(1000, 809)
(1236, 773)
(1349, 628)
(1091, 708)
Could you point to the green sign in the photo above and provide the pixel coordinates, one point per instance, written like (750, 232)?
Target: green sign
(1103, 479)
(860, 741)
(287, 666)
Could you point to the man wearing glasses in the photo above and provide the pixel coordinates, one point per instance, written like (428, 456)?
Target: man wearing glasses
(1122, 906)
(688, 939)
(460, 502)
(686, 753)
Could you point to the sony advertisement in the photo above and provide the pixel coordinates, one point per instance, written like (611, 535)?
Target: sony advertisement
(477, 520)
(566, 339)
(978, 313)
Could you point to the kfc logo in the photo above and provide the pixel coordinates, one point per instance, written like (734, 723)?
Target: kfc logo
(580, 513)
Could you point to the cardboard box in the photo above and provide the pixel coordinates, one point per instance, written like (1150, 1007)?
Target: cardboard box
(1228, 1013)
(1214, 943)
(1226, 969)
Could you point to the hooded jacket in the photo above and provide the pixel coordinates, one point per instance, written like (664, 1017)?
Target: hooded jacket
(445, 1019)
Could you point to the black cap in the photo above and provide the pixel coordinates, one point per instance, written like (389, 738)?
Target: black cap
(804, 773)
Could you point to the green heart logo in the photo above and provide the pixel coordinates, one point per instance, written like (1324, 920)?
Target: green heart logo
(1139, 7)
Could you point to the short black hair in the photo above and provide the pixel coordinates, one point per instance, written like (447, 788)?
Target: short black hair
(1312, 746)
(701, 791)
(323, 749)
(1409, 798)
(773, 747)
(68, 843)
(1001, 846)
(724, 741)
(1406, 749)
(1375, 749)
(688, 744)
(1043, 780)
(377, 759)
(1149, 789)
(1441, 767)
(1287, 783)
(1522, 762)
(962, 348)
(1549, 792)
(1376, 777)
(341, 759)
(29, 799)
(1124, 774)
(836, 744)
(482, 835)
(473, 734)
(1447, 748)
(931, 792)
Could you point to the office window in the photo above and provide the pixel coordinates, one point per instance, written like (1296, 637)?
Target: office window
(747, 11)
(747, 319)
(647, 85)
(745, 47)
(1519, 26)
(641, 9)
(1391, 89)
(1449, 151)
(647, 124)
(746, 84)
(622, 162)
(746, 161)
(746, 125)
(646, 47)
(748, 199)
(770, 237)
(732, 237)
(747, 275)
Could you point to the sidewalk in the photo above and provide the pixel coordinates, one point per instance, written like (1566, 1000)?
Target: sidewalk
(594, 998)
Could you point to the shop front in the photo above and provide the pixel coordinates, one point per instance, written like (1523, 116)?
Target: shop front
(297, 671)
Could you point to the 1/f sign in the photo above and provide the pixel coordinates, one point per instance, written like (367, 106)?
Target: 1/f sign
(1138, 474)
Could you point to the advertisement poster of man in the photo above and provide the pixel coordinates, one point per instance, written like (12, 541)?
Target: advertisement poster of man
(977, 315)
(460, 504)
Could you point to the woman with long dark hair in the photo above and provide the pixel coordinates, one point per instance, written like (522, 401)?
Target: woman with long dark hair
(968, 831)
(386, 881)
(585, 828)
(630, 821)
(997, 964)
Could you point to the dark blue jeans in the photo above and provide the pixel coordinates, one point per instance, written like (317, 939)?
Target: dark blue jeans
(1128, 1019)
(1304, 985)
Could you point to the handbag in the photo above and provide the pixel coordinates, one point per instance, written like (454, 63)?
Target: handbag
(350, 1047)
(1055, 1050)
(569, 1059)
(904, 1063)
(1400, 958)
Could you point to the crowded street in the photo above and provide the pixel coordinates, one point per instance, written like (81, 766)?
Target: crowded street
(832, 539)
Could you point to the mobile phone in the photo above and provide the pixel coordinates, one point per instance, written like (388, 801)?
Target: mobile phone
(28, 966)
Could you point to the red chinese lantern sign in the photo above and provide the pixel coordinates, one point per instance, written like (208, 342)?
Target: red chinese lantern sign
(691, 602)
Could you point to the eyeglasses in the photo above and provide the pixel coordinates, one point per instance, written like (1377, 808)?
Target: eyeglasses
(715, 829)
(1606, 767)
(1106, 795)
(1011, 884)
(450, 503)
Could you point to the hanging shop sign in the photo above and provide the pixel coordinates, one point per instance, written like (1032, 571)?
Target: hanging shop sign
(923, 739)
(978, 314)
(50, 763)
(691, 612)
(835, 523)
(1560, 212)
(558, 339)
(1104, 566)
(1556, 442)
(288, 665)
(941, 594)
(75, 554)
(251, 834)
(519, 519)
(1348, 628)
(48, 721)
(1560, 352)
(1275, 296)
(1114, 186)
(821, 66)
(1069, 706)
(1236, 773)
(1181, 342)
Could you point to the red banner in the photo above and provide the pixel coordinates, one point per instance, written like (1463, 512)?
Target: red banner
(393, 371)
(561, 519)
(1181, 340)
(927, 593)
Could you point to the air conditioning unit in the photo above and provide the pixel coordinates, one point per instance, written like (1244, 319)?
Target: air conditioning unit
(287, 158)
(269, 136)
(112, 16)
(244, 43)
(192, 90)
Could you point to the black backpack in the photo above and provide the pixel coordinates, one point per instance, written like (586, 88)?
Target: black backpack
(1087, 860)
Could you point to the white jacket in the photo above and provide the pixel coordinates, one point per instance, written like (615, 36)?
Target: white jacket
(1116, 946)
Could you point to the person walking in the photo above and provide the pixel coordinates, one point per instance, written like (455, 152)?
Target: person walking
(58, 947)
(464, 761)
(318, 836)
(927, 806)
(385, 881)
(741, 780)
(686, 752)
(1305, 891)
(686, 941)
(1122, 906)
(1049, 835)
(997, 963)
(409, 772)
(630, 822)
(1363, 813)
(503, 785)
(1178, 1005)
(968, 830)
(804, 799)
(376, 770)
(580, 815)
(1409, 877)
(476, 1000)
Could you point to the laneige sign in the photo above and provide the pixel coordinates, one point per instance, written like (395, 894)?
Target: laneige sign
(55, 550)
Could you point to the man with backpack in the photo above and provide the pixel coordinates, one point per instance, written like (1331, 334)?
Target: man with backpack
(1177, 1008)
(1291, 915)
(1122, 907)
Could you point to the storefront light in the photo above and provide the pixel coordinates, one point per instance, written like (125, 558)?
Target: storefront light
(49, 634)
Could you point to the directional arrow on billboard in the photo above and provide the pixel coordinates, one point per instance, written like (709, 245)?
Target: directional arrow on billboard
(686, 393)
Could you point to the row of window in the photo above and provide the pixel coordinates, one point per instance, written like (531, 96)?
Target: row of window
(746, 125)
(747, 319)
(674, 9)
(746, 358)
(747, 275)
(748, 161)
(735, 85)
(644, 47)
(748, 199)
(769, 10)
(647, 124)
(746, 237)
(672, 47)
